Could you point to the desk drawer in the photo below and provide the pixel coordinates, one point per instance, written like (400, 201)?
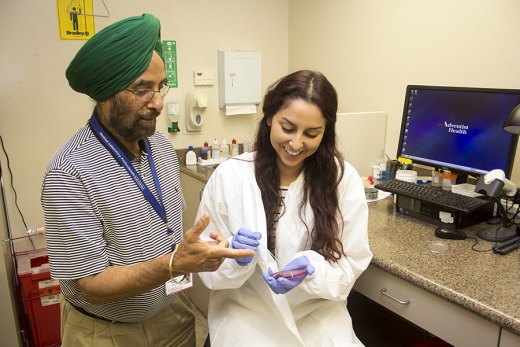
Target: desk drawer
(444, 319)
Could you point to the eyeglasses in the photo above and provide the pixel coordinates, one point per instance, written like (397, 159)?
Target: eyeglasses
(147, 94)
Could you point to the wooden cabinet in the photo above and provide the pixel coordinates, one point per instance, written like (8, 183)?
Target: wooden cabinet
(444, 319)
(192, 189)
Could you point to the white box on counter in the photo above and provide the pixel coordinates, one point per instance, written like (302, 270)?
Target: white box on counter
(208, 162)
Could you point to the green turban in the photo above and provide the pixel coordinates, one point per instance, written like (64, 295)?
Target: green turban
(115, 57)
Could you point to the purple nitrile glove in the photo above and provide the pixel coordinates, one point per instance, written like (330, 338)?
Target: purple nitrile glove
(245, 239)
(290, 276)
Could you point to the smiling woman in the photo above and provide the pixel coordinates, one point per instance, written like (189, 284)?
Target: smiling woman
(303, 209)
(296, 133)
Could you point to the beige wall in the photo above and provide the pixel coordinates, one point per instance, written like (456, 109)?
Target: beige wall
(372, 49)
(40, 111)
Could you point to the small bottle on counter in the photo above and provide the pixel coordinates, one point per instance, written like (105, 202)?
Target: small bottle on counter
(234, 148)
(215, 150)
(448, 179)
(191, 157)
(248, 145)
(224, 149)
(436, 178)
(205, 152)
(384, 168)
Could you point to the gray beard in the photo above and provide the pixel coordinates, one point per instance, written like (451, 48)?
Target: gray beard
(125, 123)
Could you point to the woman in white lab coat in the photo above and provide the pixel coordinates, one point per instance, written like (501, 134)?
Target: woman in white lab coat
(296, 197)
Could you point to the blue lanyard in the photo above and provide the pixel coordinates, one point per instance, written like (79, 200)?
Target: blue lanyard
(123, 160)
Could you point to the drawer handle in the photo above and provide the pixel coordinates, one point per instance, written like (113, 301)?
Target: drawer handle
(402, 302)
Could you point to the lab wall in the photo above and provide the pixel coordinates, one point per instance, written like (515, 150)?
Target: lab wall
(40, 111)
(372, 49)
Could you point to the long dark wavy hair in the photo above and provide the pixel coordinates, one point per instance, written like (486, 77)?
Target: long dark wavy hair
(322, 171)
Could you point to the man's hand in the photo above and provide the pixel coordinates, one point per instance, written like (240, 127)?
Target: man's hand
(196, 255)
(192, 255)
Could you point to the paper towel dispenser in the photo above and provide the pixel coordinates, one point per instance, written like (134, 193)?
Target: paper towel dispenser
(195, 104)
(240, 79)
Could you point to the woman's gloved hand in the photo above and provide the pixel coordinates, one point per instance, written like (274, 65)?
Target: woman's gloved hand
(292, 275)
(245, 239)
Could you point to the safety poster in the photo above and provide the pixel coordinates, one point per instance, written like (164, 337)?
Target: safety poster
(76, 19)
(170, 62)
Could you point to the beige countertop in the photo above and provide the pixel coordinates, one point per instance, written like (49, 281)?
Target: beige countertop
(482, 282)
(199, 172)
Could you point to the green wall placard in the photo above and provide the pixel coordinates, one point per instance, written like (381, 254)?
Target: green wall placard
(170, 62)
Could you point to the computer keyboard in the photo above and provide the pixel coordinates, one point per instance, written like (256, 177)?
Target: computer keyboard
(433, 195)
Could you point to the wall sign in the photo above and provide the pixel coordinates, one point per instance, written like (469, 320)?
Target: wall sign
(75, 19)
(170, 62)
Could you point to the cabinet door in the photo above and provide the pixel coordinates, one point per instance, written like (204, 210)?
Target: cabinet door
(508, 339)
(447, 320)
(192, 189)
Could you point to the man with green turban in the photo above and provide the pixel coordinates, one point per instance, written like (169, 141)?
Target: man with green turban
(113, 204)
(115, 57)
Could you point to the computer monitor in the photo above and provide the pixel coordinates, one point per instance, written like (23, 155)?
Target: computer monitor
(458, 129)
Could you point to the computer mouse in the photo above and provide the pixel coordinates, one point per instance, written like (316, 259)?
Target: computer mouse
(449, 232)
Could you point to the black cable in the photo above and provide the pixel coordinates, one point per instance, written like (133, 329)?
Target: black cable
(12, 183)
(476, 243)
(14, 190)
(499, 218)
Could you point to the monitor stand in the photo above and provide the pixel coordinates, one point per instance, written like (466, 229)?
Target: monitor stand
(461, 178)
(496, 233)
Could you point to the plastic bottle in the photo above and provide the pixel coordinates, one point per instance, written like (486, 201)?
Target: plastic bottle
(376, 173)
(205, 152)
(234, 148)
(448, 179)
(248, 145)
(436, 178)
(215, 150)
(191, 157)
(383, 167)
(224, 149)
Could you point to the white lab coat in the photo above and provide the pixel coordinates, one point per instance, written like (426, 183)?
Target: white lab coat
(243, 311)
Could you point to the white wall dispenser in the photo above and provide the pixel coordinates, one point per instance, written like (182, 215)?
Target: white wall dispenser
(195, 104)
(239, 81)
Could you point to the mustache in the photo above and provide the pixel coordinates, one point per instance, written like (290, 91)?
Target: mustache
(149, 115)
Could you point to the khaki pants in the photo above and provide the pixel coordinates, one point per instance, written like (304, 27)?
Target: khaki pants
(172, 327)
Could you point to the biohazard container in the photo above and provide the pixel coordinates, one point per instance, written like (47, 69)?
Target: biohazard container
(40, 296)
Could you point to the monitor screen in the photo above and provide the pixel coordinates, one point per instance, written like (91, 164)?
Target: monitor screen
(458, 129)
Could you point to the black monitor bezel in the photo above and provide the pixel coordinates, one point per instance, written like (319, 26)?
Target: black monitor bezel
(512, 145)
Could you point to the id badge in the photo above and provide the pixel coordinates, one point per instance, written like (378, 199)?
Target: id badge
(178, 284)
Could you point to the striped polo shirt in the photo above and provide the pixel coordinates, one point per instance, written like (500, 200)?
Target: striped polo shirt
(96, 216)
